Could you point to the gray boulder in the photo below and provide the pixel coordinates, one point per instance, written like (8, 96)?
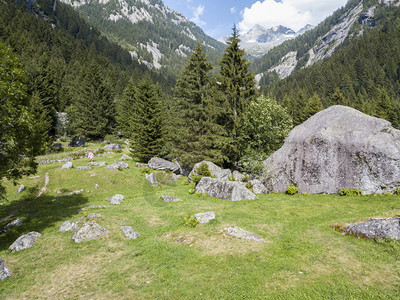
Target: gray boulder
(4, 272)
(375, 228)
(24, 241)
(85, 168)
(243, 234)
(89, 231)
(173, 177)
(16, 222)
(68, 226)
(116, 199)
(338, 147)
(67, 165)
(157, 163)
(205, 217)
(77, 142)
(140, 165)
(57, 146)
(20, 189)
(237, 175)
(126, 157)
(123, 165)
(118, 165)
(152, 179)
(112, 147)
(217, 172)
(232, 190)
(129, 232)
(167, 198)
(258, 187)
(97, 164)
(114, 167)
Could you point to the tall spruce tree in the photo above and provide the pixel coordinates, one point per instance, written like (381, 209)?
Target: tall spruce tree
(195, 133)
(237, 88)
(127, 110)
(147, 124)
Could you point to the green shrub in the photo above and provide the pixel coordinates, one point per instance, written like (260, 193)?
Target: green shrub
(350, 192)
(292, 189)
(146, 170)
(185, 182)
(231, 178)
(246, 178)
(202, 171)
(249, 186)
(397, 192)
(190, 221)
(191, 191)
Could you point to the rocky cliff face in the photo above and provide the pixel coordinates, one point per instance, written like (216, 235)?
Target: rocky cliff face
(338, 147)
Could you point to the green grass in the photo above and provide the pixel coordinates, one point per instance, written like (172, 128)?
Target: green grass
(303, 258)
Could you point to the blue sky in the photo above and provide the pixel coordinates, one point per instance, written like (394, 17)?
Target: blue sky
(216, 17)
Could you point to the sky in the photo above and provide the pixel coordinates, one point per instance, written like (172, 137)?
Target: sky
(216, 17)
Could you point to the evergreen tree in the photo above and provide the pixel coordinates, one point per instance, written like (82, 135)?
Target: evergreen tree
(312, 106)
(195, 134)
(127, 110)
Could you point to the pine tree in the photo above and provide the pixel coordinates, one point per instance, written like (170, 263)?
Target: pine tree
(312, 106)
(237, 89)
(126, 109)
(195, 134)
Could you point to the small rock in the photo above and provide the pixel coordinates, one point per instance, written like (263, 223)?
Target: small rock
(77, 142)
(139, 165)
(92, 175)
(151, 178)
(83, 168)
(4, 272)
(57, 146)
(94, 215)
(89, 231)
(112, 147)
(34, 177)
(170, 198)
(123, 165)
(375, 228)
(16, 222)
(126, 157)
(68, 226)
(173, 177)
(96, 186)
(129, 232)
(25, 241)
(97, 164)
(20, 189)
(205, 217)
(113, 167)
(67, 165)
(237, 175)
(243, 234)
(116, 199)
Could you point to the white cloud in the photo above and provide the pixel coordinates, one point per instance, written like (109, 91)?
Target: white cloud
(233, 10)
(294, 14)
(197, 13)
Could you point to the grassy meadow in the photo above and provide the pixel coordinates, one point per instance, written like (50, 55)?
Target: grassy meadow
(303, 258)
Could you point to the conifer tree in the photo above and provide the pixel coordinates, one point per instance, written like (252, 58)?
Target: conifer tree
(312, 106)
(126, 109)
(195, 134)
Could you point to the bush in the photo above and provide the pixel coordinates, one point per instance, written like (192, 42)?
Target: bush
(249, 186)
(292, 189)
(191, 191)
(202, 171)
(246, 178)
(190, 221)
(397, 192)
(350, 192)
(185, 182)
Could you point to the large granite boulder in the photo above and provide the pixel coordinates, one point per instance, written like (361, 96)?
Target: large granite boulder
(24, 241)
(157, 163)
(375, 228)
(68, 226)
(205, 217)
(232, 190)
(152, 179)
(338, 147)
(217, 172)
(4, 272)
(89, 231)
(112, 147)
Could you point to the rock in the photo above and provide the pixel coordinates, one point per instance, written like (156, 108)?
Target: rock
(67, 165)
(4, 272)
(94, 215)
(243, 234)
(205, 217)
(217, 172)
(68, 226)
(112, 147)
(126, 157)
(25, 241)
(77, 142)
(89, 231)
(258, 187)
(123, 165)
(338, 147)
(232, 190)
(173, 177)
(16, 222)
(118, 165)
(83, 168)
(375, 228)
(97, 164)
(113, 167)
(170, 198)
(139, 165)
(116, 199)
(96, 186)
(34, 177)
(152, 179)
(129, 232)
(57, 146)
(157, 163)
(20, 189)
(237, 175)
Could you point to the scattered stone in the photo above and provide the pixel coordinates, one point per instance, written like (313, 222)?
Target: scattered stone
(237, 175)
(4, 272)
(157, 163)
(77, 142)
(57, 146)
(173, 177)
(140, 165)
(243, 234)
(116, 199)
(68, 226)
(51, 161)
(126, 157)
(83, 168)
(129, 232)
(152, 179)
(258, 187)
(20, 189)
(96, 186)
(338, 147)
(118, 165)
(112, 147)
(77, 192)
(375, 228)
(16, 222)
(217, 172)
(170, 198)
(89, 231)
(123, 165)
(34, 177)
(94, 215)
(232, 190)
(92, 175)
(113, 167)
(67, 165)
(25, 241)
(93, 206)
(205, 217)
(97, 164)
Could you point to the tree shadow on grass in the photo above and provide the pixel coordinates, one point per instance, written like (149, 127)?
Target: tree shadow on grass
(37, 214)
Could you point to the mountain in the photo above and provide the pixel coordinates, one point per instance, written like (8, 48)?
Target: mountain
(155, 35)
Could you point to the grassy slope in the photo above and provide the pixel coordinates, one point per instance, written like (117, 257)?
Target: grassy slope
(303, 258)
